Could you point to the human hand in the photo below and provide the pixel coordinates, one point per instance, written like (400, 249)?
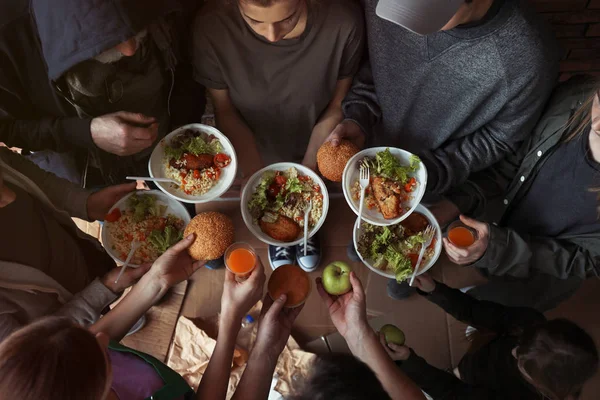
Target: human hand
(239, 297)
(129, 277)
(424, 282)
(396, 353)
(175, 265)
(469, 255)
(348, 130)
(100, 202)
(349, 311)
(275, 326)
(444, 211)
(124, 133)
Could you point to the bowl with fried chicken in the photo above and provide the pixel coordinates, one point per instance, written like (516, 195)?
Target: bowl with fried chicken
(275, 200)
(398, 180)
(199, 158)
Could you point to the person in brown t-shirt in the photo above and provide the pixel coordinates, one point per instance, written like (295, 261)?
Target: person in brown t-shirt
(277, 72)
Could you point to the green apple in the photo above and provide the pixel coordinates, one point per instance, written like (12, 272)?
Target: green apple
(336, 278)
(393, 334)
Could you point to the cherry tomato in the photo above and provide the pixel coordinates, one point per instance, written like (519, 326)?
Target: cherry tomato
(280, 180)
(196, 174)
(222, 160)
(183, 174)
(303, 178)
(217, 173)
(113, 216)
(413, 260)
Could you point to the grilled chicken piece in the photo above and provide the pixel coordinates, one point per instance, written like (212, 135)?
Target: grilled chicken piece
(388, 201)
(283, 229)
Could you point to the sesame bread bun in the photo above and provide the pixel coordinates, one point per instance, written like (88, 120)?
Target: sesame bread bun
(214, 234)
(332, 160)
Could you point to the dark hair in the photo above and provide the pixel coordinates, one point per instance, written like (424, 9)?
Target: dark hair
(52, 359)
(340, 377)
(559, 357)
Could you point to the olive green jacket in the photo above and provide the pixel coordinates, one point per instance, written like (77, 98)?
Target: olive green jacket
(491, 195)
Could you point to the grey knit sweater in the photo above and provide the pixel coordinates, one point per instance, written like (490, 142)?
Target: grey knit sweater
(461, 99)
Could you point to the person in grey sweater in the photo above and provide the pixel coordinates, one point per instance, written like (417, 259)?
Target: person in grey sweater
(461, 83)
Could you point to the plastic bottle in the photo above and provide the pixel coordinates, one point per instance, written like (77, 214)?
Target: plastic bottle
(247, 321)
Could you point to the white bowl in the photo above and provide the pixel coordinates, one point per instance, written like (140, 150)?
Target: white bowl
(157, 170)
(352, 174)
(424, 267)
(249, 190)
(173, 207)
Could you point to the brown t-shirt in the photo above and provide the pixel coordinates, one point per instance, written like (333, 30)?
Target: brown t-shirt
(280, 89)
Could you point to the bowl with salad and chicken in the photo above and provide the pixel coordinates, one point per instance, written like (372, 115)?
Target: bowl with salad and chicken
(398, 180)
(151, 218)
(199, 158)
(393, 250)
(275, 200)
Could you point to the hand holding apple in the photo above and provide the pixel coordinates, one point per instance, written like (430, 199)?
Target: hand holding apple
(393, 334)
(396, 352)
(336, 278)
(349, 311)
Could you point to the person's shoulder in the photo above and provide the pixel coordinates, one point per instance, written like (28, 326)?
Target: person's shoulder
(345, 13)
(526, 30)
(213, 18)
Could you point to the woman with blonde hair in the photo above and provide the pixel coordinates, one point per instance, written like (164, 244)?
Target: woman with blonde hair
(541, 235)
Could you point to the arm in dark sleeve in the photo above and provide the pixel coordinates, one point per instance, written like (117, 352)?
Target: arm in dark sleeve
(514, 254)
(360, 104)
(482, 314)
(441, 385)
(21, 127)
(451, 164)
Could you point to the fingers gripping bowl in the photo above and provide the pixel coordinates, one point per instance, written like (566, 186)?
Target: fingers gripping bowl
(149, 217)
(274, 201)
(197, 156)
(392, 251)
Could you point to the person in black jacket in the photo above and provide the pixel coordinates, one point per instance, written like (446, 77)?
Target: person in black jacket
(101, 81)
(529, 358)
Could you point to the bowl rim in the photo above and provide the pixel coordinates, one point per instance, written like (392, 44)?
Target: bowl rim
(348, 194)
(211, 194)
(172, 203)
(249, 190)
(438, 246)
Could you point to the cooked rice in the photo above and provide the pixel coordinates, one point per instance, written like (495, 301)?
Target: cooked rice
(190, 185)
(123, 231)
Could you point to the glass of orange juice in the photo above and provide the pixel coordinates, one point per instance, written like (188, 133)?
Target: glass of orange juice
(461, 235)
(240, 258)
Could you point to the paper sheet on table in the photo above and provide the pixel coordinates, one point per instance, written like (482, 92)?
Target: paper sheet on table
(192, 348)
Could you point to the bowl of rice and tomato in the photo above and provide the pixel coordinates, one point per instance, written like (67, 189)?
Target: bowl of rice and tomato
(152, 218)
(200, 158)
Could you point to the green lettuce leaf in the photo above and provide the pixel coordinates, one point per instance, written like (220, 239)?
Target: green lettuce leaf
(142, 206)
(162, 240)
(195, 145)
(388, 166)
(400, 264)
(293, 185)
(258, 202)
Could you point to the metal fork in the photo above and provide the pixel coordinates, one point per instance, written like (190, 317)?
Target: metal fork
(307, 211)
(365, 180)
(429, 233)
